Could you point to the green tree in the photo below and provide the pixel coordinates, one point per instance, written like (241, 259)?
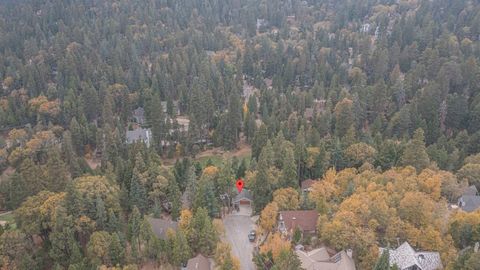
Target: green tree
(116, 251)
(344, 117)
(134, 223)
(205, 238)
(174, 197)
(289, 170)
(180, 249)
(287, 260)
(259, 141)
(415, 153)
(383, 262)
(261, 187)
(98, 248)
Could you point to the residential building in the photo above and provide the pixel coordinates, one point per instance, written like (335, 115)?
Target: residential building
(305, 220)
(139, 135)
(160, 227)
(406, 258)
(200, 262)
(470, 201)
(321, 259)
(243, 197)
(307, 185)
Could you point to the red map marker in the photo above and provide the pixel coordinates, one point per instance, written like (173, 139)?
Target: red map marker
(239, 185)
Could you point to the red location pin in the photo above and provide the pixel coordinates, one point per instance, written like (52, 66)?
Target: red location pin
(239, 185)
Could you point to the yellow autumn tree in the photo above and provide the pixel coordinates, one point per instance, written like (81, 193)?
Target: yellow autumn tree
(275, 244)
(224, 258)
(210, 170)
(286, 198)
(268, 217)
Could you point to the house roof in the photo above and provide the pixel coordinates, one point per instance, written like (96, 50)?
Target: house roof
(306, 184)
(469, 203)
(139, 134)
(244, 195)
(471, 190)
(198, 263)
(306, 220)
(161, 226)
(320, 259)
(405, 256)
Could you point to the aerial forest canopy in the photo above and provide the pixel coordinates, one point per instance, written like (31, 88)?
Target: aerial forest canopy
(115, 113)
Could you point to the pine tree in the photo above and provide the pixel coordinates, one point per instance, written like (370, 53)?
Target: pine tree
(57, 175)
(343, 117)
(383, 262)
(415, 153)
(138, 194)
(180, 250)
(70, 156)
(278, 149)
(116, 250)
(205, 239)
(101, 214)
(289, 169)
(262, 190)
(259, 141)
(134, 223)
(191, 188)
(174, 197)
(77, 135)
(300, 151)
(156, 119)
(113, 224)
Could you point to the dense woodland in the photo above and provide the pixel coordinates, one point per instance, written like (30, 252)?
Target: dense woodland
(378, 100)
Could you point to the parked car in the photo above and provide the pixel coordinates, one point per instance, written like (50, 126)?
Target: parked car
(252, 235)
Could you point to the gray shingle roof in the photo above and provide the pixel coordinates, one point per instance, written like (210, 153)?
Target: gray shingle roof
(471, 190)
(469, 203)
(244, 195)
(405, 256)
(161, 226)
(199, 263)
(139, 134)
(320, 259)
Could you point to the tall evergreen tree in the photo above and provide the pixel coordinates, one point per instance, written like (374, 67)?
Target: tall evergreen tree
(383, 262)
(259, 141)
(415, 153)
(261, 187)
(289, 169)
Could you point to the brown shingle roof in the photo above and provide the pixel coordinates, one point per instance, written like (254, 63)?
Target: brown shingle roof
(306, 184)
(198, 263)
(306, 220)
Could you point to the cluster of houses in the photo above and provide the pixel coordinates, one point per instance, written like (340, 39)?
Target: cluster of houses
(323, 258)
(404, 256)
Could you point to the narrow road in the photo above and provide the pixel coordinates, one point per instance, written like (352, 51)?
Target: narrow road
(237, 227)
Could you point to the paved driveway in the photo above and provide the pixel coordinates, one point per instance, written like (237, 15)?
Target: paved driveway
(237, 227)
